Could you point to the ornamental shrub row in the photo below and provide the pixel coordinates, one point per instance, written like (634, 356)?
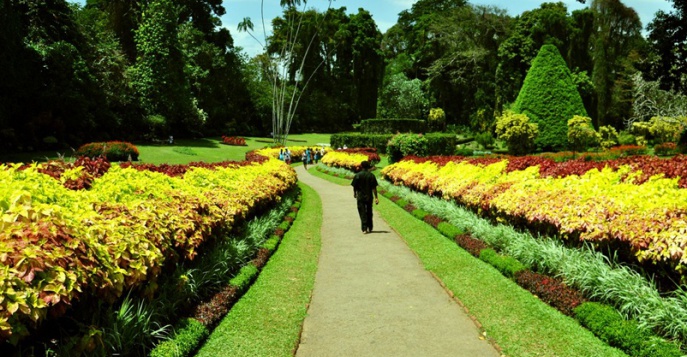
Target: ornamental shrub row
(603, 320)
(390, 126)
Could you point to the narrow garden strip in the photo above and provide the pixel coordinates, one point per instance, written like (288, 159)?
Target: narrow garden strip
(267, 233)
(268, 319)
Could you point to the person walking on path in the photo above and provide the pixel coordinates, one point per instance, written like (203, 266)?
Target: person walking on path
(364, 186)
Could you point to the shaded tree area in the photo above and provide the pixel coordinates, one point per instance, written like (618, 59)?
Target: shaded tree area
(145, 69)
(472, 60)
(118, 69)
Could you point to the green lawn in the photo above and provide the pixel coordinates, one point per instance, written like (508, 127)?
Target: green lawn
(184, 151)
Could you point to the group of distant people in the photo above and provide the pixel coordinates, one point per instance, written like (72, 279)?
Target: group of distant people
(309, 156)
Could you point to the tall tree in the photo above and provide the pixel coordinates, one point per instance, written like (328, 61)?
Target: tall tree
(668, 38)
(293, 49)
(462, 79)
(158, 75)
(618, 31)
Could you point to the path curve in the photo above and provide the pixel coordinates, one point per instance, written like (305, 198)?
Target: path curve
(373, 297)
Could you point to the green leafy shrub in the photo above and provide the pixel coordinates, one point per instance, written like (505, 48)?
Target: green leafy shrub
(441, 144)
(436, 119)
(485, 139)
(605, 322)
(449, 230)
(517, 131)
(245, 276)
(506, 265)
(626, 138)
(111, 150)
(660, 129)
(581, 133)
(419, 214)
(682, 142)
(549, 98)
(390, 126)
(402, 203)
(406, 144)
(187, 337)
(608, 136)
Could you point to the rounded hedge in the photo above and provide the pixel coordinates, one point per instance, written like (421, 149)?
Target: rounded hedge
(111, 150)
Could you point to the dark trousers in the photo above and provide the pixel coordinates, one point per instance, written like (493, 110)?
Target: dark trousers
(365, 212)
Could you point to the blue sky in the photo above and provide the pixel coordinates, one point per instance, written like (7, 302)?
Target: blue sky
(385, 12)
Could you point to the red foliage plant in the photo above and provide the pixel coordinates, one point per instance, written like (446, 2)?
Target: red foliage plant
(471, 245)
(234, 140)
(432, 220)
(550, 290)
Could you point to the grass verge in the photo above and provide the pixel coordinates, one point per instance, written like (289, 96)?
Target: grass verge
(515, 319)
(268, 319)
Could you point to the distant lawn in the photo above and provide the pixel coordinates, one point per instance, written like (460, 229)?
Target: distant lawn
(183, 151)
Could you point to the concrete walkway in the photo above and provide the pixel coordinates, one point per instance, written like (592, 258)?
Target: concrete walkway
(373, 297)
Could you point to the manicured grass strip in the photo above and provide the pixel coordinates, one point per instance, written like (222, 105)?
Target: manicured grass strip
(520, 324)
(267, 320)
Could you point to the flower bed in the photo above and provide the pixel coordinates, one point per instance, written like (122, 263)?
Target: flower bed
(351, 159)
(636, 202)
(58, 244)
(111, 150)
(234, 140)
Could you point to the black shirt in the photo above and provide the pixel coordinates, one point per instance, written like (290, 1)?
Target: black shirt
(363, 183)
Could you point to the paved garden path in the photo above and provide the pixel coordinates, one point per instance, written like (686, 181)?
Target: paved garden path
(373, 297)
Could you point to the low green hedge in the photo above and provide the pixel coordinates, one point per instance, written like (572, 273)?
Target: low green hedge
(185, 340)
(449, 230)
(357, 140)
(508, 266)
(391, 126)
(606, 323)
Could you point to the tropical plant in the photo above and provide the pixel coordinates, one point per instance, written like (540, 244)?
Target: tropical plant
(517, 131)
(284, 52)
(581, 133)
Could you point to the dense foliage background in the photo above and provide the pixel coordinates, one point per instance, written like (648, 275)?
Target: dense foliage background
(146, 69)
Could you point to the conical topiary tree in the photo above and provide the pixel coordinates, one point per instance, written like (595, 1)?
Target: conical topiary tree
(549, 98)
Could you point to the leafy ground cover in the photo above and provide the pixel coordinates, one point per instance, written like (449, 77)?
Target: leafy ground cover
(282, 289)
(519, 322)
(60, 244)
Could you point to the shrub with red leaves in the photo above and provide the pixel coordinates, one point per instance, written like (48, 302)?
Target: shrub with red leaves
(210, 312)
(550, 290)
(371, 153)
(234, 140)
(92, 169)
(471, 245)
(111, 150)
(178, 170)
(432, 220)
